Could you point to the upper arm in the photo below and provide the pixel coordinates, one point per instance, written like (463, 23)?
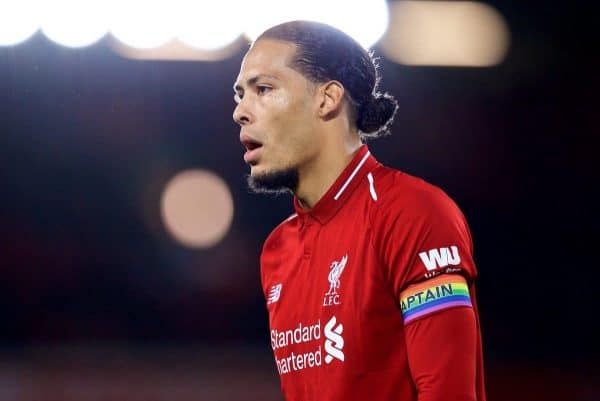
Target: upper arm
(426, 252)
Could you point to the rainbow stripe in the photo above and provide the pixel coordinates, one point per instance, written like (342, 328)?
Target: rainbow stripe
(442, 292)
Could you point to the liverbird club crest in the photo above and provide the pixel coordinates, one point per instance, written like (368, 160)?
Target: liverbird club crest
(332, 297)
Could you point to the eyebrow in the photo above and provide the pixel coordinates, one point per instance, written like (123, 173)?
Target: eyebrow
(251, 81)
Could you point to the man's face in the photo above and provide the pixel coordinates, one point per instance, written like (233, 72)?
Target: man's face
(277, 111)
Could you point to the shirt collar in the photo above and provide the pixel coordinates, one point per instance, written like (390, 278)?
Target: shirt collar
(342, 188)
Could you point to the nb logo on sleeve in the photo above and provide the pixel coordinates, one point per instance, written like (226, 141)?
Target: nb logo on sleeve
(440, 257)
(334, 342)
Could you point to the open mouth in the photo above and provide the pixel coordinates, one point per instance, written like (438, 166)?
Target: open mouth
(252, 149)
(251, 144)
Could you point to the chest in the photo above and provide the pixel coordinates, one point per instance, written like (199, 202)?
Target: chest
(320, 270)
(327, 299)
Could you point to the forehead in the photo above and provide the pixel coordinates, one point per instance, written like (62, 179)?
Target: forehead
(268, 57)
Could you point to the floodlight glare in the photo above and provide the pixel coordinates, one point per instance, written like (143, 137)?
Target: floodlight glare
(207, 28)
(73, 23)
(18, 22)
(365, 21)
(144, 25)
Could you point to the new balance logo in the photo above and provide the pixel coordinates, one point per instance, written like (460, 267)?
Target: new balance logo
(440, 257)
(274, 293)
(334, 342)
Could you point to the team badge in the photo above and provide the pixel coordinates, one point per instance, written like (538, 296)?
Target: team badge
(332, 297)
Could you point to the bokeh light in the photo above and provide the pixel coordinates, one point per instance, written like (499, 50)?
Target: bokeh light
(18, 22)
(73, 23)
(207, 27)
(144, 24)
(175, 50)
(446, 33)
(364, 21)
(197, 208)
(271, 13)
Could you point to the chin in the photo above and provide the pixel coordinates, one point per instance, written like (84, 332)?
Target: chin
(259, 169)
(274, 181)
(256, 170)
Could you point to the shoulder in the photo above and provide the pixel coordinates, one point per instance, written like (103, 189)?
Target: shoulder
(273, 239)
(273, 249)
(413, 221)
(405, 196)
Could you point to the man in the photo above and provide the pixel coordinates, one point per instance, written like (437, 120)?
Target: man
(369, 285)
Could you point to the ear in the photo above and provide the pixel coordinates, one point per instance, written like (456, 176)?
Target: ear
(331, 96)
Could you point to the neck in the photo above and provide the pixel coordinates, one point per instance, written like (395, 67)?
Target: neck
(317, 177)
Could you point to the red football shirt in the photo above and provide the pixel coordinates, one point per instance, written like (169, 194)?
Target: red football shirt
(370, 293)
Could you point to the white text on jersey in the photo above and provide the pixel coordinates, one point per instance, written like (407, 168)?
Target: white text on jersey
(440, 257)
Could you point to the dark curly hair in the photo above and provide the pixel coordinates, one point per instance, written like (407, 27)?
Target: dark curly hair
(325, 53)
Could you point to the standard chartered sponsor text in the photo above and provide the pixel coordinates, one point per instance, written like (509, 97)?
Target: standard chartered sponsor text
(299, 335)
(294, 362)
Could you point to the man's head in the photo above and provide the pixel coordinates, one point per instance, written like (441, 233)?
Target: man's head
(298, 80)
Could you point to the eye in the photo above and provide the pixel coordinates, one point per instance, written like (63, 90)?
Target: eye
(261, 89)
(237, 97)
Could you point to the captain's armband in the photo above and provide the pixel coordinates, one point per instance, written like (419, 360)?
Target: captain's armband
(442, 292)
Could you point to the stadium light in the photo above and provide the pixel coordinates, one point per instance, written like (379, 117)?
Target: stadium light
(73, 23)
(18, 22)
(143, 24)
(271, 13)
(197, 208)
(175, 50)
(446, 33)
(209, 27)
(177, 28)
(365, 21)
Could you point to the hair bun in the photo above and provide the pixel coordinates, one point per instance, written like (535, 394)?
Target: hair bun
(377, 114)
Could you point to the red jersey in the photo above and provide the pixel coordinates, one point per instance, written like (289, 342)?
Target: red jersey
(370, 293)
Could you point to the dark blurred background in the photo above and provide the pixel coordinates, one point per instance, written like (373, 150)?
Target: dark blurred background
(98, 301)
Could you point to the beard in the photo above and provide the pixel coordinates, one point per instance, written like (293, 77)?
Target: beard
(274, 182)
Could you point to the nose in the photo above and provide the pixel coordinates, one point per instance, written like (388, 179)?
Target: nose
(241, 114)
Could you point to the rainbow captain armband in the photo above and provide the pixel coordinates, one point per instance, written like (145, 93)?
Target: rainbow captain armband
(442, 292)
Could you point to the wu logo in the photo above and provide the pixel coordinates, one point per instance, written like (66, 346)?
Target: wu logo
(274, 293)
(440, 257)
(335, 271)
(334, 343)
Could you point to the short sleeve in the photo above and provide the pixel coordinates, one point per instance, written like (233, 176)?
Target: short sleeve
(425, 248)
